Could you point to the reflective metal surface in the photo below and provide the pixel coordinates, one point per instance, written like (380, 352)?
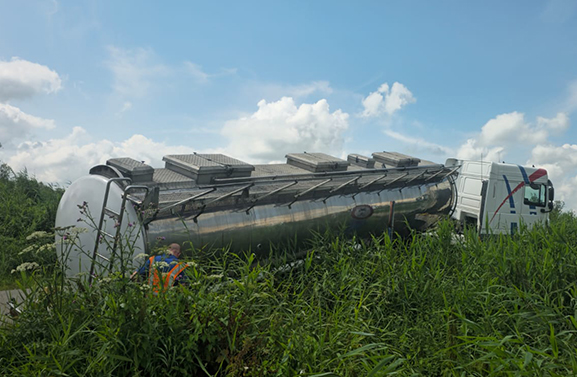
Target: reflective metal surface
(276, 206)
(272, 225)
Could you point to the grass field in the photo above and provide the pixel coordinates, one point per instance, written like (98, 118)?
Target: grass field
(435, 305)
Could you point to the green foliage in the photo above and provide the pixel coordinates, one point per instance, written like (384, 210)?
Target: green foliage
(26, 206)
(435, 304)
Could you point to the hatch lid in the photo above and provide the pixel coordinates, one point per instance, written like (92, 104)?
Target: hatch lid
(395, 159)
(138, 171)
(316, 162)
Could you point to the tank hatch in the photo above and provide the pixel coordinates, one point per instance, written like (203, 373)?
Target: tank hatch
(136, 170)
(203, 168)
(316, 162)
(362, 161)
(395, 159)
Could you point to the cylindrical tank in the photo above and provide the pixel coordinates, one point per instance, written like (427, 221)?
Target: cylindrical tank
(200, 201)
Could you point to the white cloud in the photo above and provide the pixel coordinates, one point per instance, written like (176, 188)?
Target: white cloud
(565, 191)
(556, 125)
(62, 160)
(387, 100)
(472, 151)
(22, 79)
(564, 157)
(511, 129)
(571, 103)
(280, 127)
(420, 143)
(197, 73)
(134, 70)
(15, 124)
(509, 136)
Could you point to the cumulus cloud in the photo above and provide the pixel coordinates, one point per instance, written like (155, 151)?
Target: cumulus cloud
(561, 164)
(22, 79)
(16, 124)
(510, 134)
(387, 100)
(281, 127)
(66, 159)
(134, 70)
(471, 150)
(510, 130)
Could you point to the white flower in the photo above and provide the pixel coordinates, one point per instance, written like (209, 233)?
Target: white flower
(141, 256)
(27, 266)
(122, 305)
(218, 276)
(28, 249)
(191, 264)
(77, 230)
(36, 235)
(160, 265)
(46, 247)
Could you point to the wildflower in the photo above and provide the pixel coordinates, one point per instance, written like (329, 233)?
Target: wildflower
(27, 266)
(46, 247)
(122, 305)
(217, 276)
(78, 230)
(36, 235)
(161, 265)
(130, 224)
(28, 249)
(160, 238)
(191, 264)
(141, 256)
(145, 287)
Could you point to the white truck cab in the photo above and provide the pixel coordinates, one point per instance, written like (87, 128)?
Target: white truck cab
(497, 197)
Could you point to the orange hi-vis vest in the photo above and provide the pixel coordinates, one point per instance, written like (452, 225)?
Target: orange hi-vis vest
(161, 281)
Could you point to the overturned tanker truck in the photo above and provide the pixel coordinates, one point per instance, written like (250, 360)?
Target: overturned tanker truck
(215, 201)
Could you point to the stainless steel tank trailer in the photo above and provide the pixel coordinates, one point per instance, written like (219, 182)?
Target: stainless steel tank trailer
(215, 201)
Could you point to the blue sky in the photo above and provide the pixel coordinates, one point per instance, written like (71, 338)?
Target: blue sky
(81, 82)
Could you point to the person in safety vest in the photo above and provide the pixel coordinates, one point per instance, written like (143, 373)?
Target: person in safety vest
(164, 271)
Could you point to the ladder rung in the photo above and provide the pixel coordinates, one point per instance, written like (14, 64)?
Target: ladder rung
(106, 234)
(111, 213)
(134, 200)
(103, 257)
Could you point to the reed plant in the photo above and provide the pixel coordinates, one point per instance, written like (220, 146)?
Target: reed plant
(436, 304)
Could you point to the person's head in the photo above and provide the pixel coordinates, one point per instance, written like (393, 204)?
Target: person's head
(174, 249)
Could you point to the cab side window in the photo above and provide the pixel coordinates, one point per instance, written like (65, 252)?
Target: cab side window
(535, 195)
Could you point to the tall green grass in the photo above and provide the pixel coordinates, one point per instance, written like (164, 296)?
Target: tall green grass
(435, 305)
(26, 206)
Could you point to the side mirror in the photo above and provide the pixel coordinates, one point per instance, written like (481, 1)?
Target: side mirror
(551, 194)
